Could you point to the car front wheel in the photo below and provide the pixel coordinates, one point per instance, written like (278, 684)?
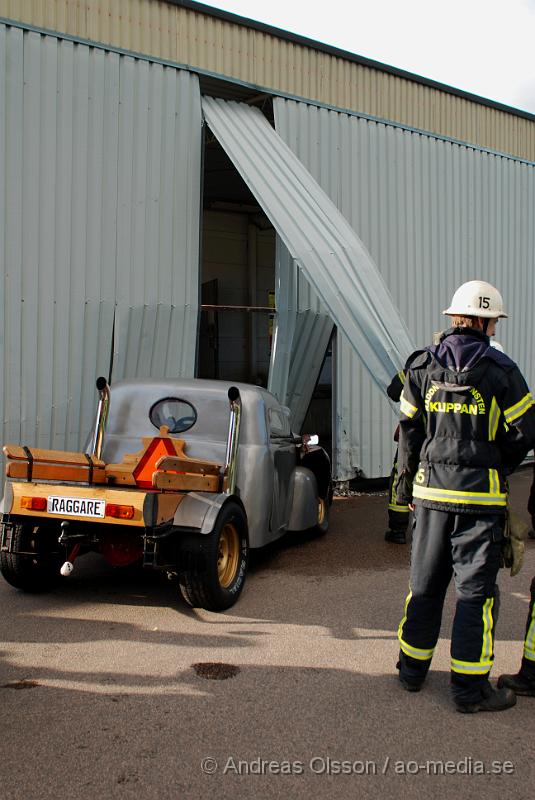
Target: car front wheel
(324, 510)
(213, 567)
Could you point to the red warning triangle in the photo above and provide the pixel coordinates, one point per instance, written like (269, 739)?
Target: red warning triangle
(146, 465)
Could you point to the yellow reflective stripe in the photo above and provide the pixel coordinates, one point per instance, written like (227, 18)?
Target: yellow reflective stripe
(409, 650)
(494, 483)
(452, 496)
(401, 376)
(494, 418)
(471, 667)
(399, 509)
(416, 652)
(404, 619)
(516, 411)
(529, 643)
(487, 649)
(406, 408)
(514, 408)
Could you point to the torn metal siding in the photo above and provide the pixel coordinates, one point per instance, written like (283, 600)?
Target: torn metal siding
(326, 249)
(68, 257)
(303, 330)
(432, 214)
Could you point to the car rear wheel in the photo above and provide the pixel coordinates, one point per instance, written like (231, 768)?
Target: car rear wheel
(213, 567)
(34, 559)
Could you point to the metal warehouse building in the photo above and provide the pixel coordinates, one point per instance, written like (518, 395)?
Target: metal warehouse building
(184, 191)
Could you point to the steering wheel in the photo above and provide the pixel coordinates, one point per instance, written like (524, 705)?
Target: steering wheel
(183, 424)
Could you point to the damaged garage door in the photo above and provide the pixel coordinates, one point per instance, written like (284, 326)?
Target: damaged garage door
(317, 236)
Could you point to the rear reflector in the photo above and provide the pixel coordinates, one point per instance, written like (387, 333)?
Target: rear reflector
(33, 503)
(119, 512)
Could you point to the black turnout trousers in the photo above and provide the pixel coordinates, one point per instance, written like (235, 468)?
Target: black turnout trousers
(468, 547)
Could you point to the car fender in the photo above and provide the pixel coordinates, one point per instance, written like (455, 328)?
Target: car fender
(199, 510)
(304, 510)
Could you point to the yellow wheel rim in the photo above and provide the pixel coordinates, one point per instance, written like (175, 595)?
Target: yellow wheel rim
(228, 556)
(321, 511)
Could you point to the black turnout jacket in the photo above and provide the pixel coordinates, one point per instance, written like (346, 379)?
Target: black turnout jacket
(467, 421)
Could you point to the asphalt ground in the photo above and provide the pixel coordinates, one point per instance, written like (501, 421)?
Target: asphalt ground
(99, 697)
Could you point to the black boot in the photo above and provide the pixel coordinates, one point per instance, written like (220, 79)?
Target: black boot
(492, 700)
(519, 683)
(410, 686)
(413, 683)
(397, 537)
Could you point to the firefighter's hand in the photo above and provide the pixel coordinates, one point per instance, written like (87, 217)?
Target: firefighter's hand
(411, 506)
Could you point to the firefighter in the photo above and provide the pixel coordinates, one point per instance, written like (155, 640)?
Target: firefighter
(398, 515)
(524, 681)
(467, 420)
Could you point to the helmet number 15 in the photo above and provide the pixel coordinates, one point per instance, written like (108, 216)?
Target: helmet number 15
(484, 302)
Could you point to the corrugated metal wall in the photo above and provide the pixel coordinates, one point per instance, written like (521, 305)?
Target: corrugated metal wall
(170, 32)
(158, 221)
(432, 214)
(99, 219)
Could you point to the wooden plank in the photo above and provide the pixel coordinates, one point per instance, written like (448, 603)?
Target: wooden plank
(50, 456)
(186, 464)
(109, 495)
(54, 472)
(120, 473)
(171, 481)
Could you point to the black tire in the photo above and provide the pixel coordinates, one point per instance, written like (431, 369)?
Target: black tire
(213, 566)
(35, 564)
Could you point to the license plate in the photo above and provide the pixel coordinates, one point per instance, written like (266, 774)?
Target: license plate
(76, 507)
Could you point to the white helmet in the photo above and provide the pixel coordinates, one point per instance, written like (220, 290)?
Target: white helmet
(476, 299)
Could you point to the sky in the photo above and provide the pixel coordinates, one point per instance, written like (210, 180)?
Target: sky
(486, 47)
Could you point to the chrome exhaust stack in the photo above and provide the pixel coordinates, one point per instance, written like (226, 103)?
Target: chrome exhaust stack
(97, 439)
(231, 456)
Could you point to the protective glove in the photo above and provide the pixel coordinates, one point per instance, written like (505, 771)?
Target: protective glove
(517, 547)
(404, 489)
(513, 549)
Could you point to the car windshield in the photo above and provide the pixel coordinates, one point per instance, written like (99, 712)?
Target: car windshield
(178, 415)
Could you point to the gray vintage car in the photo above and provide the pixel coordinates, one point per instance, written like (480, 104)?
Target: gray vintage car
(185, 475)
